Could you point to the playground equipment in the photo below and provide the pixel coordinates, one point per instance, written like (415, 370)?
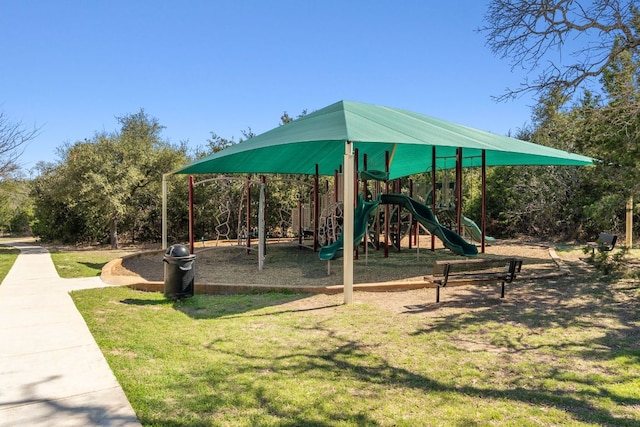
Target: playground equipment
(469, 227)
(223, 216)
(321, 215)
(223, 228)
(361, 217)
(403, 215)
(446, 206)
(425, 216)
(330, 224)
(232, 195)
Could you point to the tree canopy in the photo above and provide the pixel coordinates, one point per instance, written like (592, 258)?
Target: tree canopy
(102, 184)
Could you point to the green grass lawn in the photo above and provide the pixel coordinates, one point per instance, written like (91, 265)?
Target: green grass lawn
(8, 256)
(83, 263)
(556, 352)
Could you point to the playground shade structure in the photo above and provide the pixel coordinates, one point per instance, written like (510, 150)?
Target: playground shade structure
(318, 140)
(423, 214)
(361, 217)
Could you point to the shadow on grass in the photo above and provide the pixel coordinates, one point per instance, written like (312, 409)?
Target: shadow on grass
(351, 361)
(578, 300)
(574, 303)
(214, 306)
(211, 307)
(97, 266)
(144, 302)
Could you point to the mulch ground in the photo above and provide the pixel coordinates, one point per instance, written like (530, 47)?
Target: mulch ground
(286, 264)
(544, 279)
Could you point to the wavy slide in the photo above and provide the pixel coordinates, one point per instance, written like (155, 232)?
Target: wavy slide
(474, 231)
(451, 240)
(360, 217)
(469, 225)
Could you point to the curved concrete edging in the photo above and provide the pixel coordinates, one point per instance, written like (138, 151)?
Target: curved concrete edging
(109, 275)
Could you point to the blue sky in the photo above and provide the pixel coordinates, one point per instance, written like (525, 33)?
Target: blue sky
(71, 67)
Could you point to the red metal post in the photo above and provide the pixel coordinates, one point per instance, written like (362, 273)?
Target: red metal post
(316, 208)
(356, 179)
(335, 186)
(300, 222)
(356, 183)
(483, 215)
(386, 208)
(398, 189)
(248, 217)
(433, 191)
(191, 216)
(412, 236)
(364, 181)
(459, 190)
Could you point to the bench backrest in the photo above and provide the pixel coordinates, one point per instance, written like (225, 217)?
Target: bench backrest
(607, 239)
(475, 266)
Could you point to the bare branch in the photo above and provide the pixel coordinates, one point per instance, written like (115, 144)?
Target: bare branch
(567, 42)
(13, 139)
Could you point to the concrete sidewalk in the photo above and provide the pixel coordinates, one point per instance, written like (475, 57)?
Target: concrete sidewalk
(52, 372)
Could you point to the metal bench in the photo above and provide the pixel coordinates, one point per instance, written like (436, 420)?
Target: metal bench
(469, 271)
(605, 243)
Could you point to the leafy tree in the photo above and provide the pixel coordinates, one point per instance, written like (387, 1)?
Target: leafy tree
(613, 126)
(610, 132)
(209, 199)
(582, 43)
(106, 183)
(16, 207)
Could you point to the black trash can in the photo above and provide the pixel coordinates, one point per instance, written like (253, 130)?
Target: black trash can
(179, 272)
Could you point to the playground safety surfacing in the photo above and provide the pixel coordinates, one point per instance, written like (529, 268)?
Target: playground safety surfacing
(229, 268)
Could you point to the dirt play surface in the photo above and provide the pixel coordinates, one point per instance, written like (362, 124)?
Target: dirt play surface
(547, 279)
(286, 265)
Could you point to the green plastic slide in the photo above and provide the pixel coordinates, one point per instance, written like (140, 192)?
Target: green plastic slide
(469, 225)
(360, 218)
(474, 231)
(451, 240)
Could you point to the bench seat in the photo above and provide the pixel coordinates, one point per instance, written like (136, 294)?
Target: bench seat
(605, 243)
(470, 271)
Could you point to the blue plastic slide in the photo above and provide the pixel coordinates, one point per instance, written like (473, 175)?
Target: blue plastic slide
(360, 218)
(451, 240)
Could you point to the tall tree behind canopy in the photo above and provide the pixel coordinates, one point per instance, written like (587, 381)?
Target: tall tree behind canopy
(110, 180)
(572, 45)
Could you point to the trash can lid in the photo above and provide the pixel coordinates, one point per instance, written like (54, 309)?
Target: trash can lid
(177, 251)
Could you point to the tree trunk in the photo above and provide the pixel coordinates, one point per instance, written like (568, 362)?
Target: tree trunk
(114, 233)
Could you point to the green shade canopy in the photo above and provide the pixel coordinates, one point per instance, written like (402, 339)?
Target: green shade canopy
(319, 138)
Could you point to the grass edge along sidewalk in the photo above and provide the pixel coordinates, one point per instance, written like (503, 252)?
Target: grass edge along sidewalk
(8, 256)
